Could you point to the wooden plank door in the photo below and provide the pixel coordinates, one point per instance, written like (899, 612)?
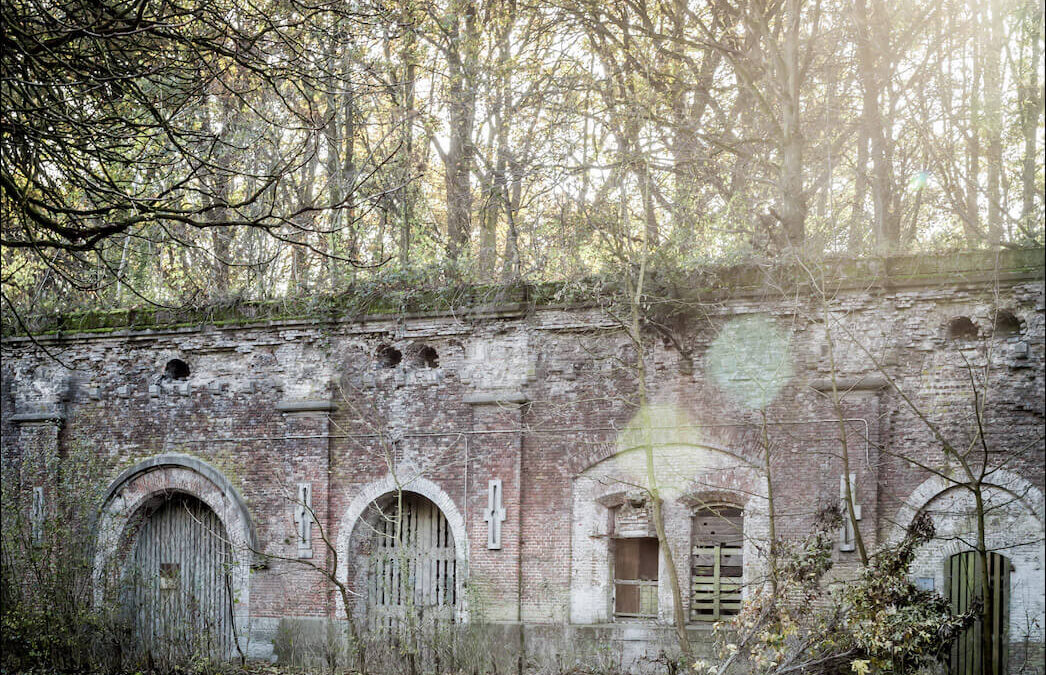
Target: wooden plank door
(716, 563)
(413, 566)
(964, 586)
(179, 597)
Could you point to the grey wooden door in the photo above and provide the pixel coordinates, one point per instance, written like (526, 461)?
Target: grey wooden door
(413, 568)
(178, 596)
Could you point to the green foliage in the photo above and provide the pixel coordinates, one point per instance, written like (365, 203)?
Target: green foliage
(49, 619)
(879, 622)
(895, 626)
(671, 292)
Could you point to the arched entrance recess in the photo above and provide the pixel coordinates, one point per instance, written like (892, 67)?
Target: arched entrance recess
(176, 542)
(175, 589)
(411, 567)
(691, 476)
(405, 551)
(1014, 515)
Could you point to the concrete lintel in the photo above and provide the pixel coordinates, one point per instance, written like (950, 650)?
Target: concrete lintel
(317, 406)
(873, 382)
(496, 398)
(39, 417)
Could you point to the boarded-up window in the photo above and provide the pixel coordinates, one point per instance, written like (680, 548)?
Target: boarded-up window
(716, 563)
(964, 587)
(635, 577)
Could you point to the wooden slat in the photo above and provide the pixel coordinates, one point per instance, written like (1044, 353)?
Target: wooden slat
(964, 587)
(416, 569)
(717, 558)
(179, 595)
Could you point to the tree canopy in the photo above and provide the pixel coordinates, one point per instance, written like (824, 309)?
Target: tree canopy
(159, 151)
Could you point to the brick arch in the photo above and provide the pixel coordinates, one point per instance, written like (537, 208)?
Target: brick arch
(424, 487)
(1029, 496)
(582, 463)
(140, 484)
(1016, 540)
(716, 497)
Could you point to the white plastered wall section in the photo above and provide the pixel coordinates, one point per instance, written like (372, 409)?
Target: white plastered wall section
(426, 488)
(1013, 528)
(687, 476)
(166, 474)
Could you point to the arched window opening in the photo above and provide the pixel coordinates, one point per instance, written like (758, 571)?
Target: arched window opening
(965, 587)
(962, 328)
(176, 586)
(412, 567)
(716, 562)
(176, 369)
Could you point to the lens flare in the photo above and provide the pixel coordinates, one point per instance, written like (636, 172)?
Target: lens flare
(750, 361)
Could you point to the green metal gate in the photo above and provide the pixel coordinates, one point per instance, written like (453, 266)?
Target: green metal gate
(964, 586)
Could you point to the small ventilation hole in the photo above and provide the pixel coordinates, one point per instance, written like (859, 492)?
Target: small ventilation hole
(428, 357)
(1007, 325)
(962, 328)
(176, 369)
(389, 357)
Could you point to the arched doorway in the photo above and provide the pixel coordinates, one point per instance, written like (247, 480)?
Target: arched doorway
(177, 586)
(138, 498)
(412, 569)
(964, 580)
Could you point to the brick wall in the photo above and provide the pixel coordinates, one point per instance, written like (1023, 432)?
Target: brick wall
(538, 397)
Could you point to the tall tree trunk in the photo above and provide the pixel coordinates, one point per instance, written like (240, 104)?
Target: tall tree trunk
(993, 119)
(873, 67)
(406, 191)
(635, 333)
(791, 199)
(497, 197)
(220, 236)
(973, 149)
(1031, 111)
(858, 216)
(340, 138)
(461, 107)
(511, 266)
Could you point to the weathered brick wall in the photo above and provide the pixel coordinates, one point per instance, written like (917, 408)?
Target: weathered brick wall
(536, 397)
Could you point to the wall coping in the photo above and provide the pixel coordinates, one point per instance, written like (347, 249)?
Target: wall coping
(39, 417)
(967, 268)
(306, 406)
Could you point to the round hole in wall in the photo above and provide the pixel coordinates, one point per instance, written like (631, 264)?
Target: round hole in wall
(176, 369)
(1007, 324)
(428, 357)
(962, 328)
(389, 356)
